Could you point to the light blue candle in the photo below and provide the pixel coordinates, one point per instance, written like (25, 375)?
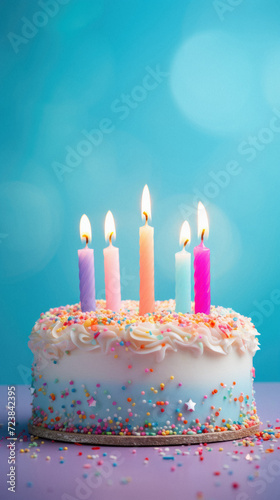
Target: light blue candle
(183, 272)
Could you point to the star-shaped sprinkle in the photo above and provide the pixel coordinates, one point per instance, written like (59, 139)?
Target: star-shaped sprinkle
(190, 404)
(91, 401)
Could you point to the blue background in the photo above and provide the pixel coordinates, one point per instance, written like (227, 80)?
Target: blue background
(215, 107)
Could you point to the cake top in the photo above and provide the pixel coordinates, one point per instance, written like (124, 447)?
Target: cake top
(62, 329)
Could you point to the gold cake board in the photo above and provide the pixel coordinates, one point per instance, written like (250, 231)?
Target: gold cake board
(109, 440)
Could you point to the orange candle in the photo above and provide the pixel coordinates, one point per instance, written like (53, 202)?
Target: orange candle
(147, 289)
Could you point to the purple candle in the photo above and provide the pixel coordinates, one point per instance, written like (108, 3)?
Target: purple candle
(202, 295)
(86, 268)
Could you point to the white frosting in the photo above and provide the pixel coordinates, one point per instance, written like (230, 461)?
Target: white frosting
(219, 333)
(203, 371)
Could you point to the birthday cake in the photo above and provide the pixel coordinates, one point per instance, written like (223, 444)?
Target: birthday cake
(160, 374)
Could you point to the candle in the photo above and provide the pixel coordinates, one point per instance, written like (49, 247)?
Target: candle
(147, 291)
(202, 297)
(112, 267)
(183, 272)
(86, 268)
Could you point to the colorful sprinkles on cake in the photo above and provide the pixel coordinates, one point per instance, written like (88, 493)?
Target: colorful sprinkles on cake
(63, 329)
(101, 407)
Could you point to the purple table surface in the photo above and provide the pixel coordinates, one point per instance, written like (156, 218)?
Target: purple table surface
(228, 470)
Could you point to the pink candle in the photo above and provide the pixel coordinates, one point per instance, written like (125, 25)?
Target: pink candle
(202, 296)
(86, 268)
(147, 291)
(112, 267)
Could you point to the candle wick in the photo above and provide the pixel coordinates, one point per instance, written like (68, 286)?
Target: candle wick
(146, 217)
(185, 243)
(86, 237)
(202, 235)
(110, 238)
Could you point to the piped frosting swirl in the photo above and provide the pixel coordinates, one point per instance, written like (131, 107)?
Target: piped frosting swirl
(63, 329)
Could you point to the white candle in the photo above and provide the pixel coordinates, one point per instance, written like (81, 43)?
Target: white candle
(146, 233)
(112, 267)
(183, 272)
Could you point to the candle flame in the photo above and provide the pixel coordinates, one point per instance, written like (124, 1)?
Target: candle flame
(185, 233)
(202, 219)
(146, 204)
(85, 228)
(110, 228)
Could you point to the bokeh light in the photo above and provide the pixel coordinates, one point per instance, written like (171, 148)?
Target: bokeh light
(32, 223)
(211, 81)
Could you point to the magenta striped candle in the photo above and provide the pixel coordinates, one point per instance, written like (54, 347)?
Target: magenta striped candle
(202, 295)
